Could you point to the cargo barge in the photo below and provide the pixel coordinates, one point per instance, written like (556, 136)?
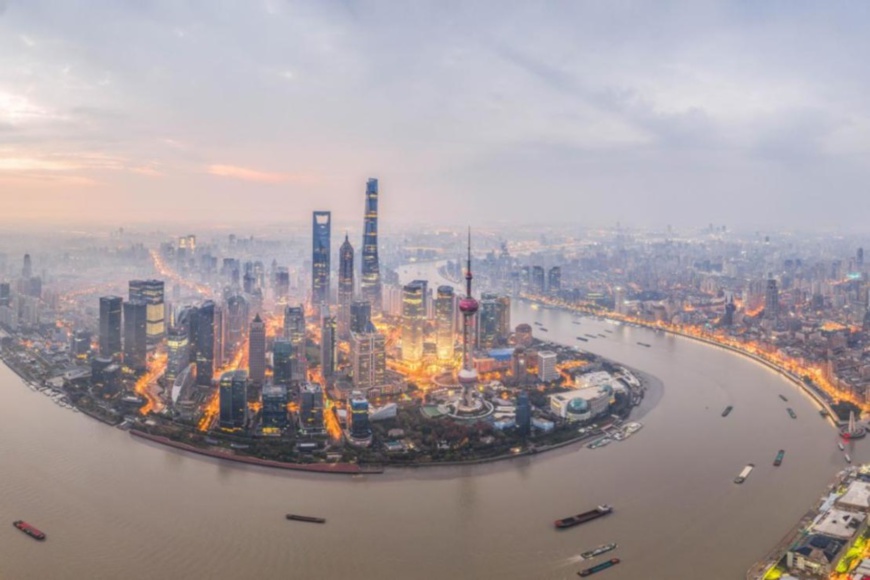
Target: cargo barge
(572, 521)
(598, 567)
(29, 530)
(309, 519)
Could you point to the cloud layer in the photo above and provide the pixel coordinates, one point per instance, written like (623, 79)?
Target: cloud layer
(664, 113)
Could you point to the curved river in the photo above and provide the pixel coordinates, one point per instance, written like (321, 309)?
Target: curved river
(115, 507)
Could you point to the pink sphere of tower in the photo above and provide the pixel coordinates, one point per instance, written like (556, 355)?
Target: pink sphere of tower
(468, 305)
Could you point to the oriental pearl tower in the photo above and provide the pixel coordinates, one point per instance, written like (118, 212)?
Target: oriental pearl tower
(469, 405)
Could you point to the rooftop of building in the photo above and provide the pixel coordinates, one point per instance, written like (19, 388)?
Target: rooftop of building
(857, 496)
(587, 393)
(838, 523)
(819, 547)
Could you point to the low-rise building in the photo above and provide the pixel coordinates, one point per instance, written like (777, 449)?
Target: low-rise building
(856, 498)
(582, 404)
(815, 554)
(839, 524)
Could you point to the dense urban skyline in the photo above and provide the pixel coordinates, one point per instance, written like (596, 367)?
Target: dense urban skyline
(116, 113)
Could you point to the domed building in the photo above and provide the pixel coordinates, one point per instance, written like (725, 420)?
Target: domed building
(582, 404)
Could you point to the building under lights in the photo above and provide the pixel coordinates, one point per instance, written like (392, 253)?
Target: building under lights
(274, 413)
(360, 428)
(345, 287)
(311, 409)
(110, 326)
(207, 330)
(413, 321)
(368, 360)
(135, 335)
(445, 323)
(233, 400)
(360, 316)
(282, 362)
(370, 285)
(328, 354)
(321, 227)
(257, 351)
(294, 331)
(151, 292)
(178, 352)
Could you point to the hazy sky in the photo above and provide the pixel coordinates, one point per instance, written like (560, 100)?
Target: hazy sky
(644, 112)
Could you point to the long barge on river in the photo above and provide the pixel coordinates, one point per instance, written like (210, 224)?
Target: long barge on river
(29, 530)
(308, 519)
(572, 521)
(598, 567)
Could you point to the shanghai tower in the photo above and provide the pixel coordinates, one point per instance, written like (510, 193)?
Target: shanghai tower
(370, 285)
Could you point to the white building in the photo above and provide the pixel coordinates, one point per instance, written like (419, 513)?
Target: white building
(582, 404)
(547, 366)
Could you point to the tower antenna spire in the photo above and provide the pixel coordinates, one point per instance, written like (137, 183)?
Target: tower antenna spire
(468, 275)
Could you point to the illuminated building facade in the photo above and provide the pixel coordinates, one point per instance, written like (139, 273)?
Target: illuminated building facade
(80, 344)
(311, 409)
(206, 332)
(413, 321)
(135, 336)
(345, 287)
(294, 331)
(178, 352)
(487, 321)
(368, 360)
(274, 411)
(360, 428)
(547, 366)
(445, 323)
(493, 320)
(110, 326)
(360, 316)
(327, 347)
(282, 361)
(233, 400)
(321, 227)
(151, 292)
(236, 324)
(370, 285)
(257, 351)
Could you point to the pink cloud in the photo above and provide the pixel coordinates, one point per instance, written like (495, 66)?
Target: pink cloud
(146, 170)
(247, 174)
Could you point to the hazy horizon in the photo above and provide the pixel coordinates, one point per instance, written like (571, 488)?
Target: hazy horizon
(746, 115)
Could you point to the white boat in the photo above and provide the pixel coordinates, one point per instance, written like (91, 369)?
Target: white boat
(744, 474)
(848, 459)
(841, 446)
